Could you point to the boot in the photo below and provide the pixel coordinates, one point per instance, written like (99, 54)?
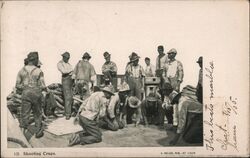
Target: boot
(74, 140)
(40, 133)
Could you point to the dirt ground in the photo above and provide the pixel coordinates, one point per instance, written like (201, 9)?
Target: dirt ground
(131, 136)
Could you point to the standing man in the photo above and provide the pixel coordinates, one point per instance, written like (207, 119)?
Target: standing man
(66, 69)
(135, 75)
(109, 70)
(30, 83)
(173, 71)
(199, 88)
(88, 117)
(84, 75)
(149, 69)
(161, 60)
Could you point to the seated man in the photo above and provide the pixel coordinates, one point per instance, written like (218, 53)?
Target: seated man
(187, 105)
(152, 110)
(89, 113)
(113, 120)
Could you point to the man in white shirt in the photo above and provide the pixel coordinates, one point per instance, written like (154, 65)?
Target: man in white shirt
(93, 109)
(66, 69)
(149, 69)
(173, 71)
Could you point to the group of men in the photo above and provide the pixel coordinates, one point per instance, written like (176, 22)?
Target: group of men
(111, 106)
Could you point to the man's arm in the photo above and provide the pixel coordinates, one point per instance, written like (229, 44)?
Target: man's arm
(19, 85)
(41, 80)
(61, 68)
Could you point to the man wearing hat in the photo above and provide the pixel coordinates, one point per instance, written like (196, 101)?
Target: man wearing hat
(116, 108)
(84, 75)
(152, 110)
(66, 69)
(173, 71)
(133, 106)
(93, 109)
(109, 70)
(30, 83)
(135, 76)
(192, 129)
(199, 88)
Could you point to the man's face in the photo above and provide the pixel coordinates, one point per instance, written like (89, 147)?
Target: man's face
(147, 62)
(107, 59)
(160, 51)
(66, 59)
(35, 62)
(135, 63)
(107, 95)
(171, 56)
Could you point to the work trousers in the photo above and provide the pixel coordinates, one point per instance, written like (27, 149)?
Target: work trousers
(169, 115)
(110, 124)
(82, 88)
(153, 113)
(135, 85)
(31, 101)
(67, 84)
(92, 133)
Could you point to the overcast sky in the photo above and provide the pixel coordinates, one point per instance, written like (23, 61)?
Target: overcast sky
(51, 28)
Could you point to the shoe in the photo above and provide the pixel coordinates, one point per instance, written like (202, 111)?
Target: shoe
(74, 140)
(67, 117)
(40, 133)
(74, 114)
(169, 127)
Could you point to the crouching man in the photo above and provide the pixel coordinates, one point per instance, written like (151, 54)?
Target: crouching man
(152, 110)
(133, 111)
(114, 119)
(189, 118)
(88, 117)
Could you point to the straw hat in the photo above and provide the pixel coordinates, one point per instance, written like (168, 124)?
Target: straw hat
(134, 102)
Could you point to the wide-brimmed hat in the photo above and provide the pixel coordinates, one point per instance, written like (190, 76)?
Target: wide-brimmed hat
(152, 97)
(172, 51)
(134, 102)
(106, 54)
(173, 96)
(66, 54)
(86, 55)
(108, 89)
(124, 87)
(32, 56)
(199, 60)
(134, 57)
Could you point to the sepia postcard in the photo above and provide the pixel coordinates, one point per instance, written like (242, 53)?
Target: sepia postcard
(125, 78)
